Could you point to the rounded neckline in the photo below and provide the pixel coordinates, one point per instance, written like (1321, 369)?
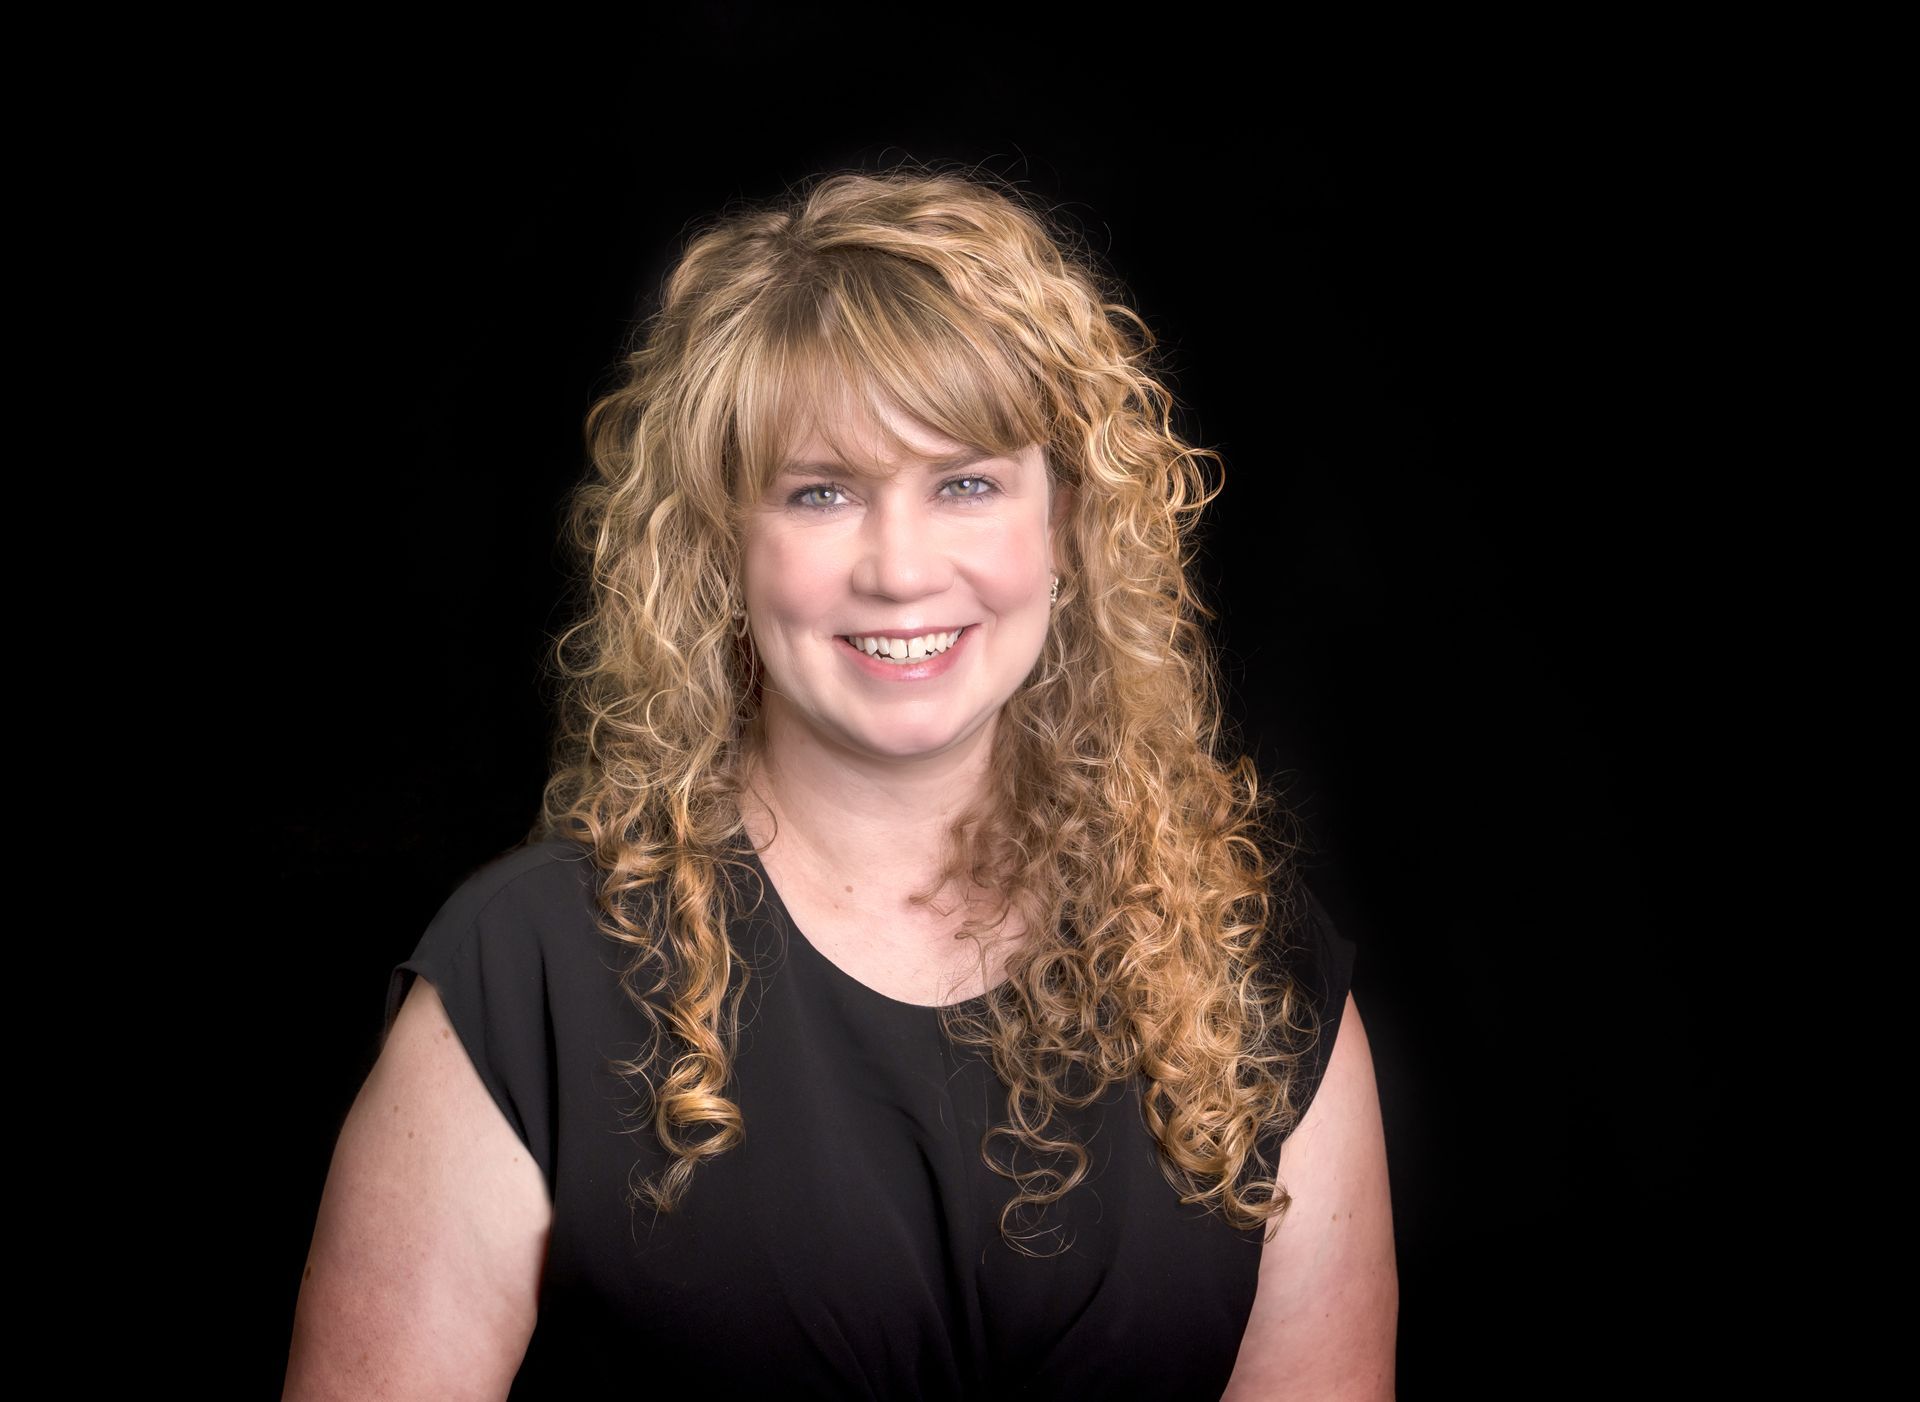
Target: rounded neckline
(792, 926)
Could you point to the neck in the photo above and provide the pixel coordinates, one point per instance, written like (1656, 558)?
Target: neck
(880, 825)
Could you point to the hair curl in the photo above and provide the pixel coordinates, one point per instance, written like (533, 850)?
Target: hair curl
(950, 298)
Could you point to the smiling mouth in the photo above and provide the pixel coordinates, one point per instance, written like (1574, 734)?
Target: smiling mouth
(882, 655)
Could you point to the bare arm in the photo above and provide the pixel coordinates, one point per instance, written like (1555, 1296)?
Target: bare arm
(1326, 1314)
(424, 1276)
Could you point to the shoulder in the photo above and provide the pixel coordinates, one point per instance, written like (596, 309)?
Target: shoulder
(521, 909)
(1325, 1313)
(1306, 954)
(1322, 953)
(540, 881)
(559, 866)
(1314, 956)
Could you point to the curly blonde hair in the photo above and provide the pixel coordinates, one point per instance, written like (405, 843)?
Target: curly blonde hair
(1138, 857)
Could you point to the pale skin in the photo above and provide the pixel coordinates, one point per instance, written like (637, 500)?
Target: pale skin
(423, 1280)
(424, 1275)
(865, 775)
(1326, 1312)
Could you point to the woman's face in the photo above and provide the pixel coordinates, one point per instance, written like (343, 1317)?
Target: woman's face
(949, 543)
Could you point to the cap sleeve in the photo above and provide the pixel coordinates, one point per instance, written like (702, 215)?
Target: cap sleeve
(1322, 959)
(483, 955)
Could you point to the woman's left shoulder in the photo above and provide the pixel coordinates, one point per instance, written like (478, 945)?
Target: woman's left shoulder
(1326, 1309)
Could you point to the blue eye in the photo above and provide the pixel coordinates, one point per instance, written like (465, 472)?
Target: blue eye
(800, 498)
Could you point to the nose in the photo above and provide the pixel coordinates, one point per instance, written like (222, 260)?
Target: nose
(901, 554)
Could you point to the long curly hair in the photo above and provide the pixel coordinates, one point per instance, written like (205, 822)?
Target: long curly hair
(1146, 862)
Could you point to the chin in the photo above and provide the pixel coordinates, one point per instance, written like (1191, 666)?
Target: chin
(916, 747)
(915, 744)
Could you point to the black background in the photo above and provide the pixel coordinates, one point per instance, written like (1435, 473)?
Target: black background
(1432, 328)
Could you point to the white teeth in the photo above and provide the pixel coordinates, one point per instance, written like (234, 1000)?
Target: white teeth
(906, 649)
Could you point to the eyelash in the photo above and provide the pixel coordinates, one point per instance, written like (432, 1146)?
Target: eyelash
(797, 499)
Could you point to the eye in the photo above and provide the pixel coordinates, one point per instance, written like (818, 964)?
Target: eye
(806, 499)
(800, 498)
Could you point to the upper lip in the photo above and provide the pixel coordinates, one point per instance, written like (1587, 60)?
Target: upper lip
(918, 630)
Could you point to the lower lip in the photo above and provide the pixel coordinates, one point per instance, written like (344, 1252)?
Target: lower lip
(923, 670)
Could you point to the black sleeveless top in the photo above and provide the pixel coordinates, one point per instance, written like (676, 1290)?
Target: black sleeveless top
(849, 1246)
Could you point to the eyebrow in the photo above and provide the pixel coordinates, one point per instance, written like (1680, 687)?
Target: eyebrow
(950, 463)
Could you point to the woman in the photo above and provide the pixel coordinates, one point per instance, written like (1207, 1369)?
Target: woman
(897, 997)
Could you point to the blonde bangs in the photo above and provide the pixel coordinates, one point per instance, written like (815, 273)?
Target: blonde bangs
(873, 336)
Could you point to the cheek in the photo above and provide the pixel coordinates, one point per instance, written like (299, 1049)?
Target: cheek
(785, 577)
(1014, 566)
